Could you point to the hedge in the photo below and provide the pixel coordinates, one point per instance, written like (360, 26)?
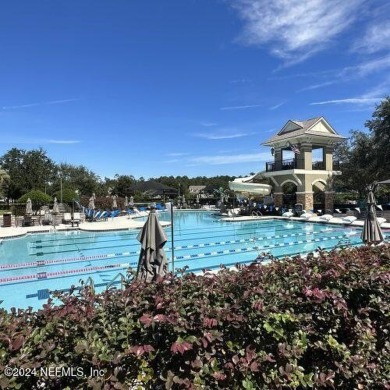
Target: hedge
(320, 322)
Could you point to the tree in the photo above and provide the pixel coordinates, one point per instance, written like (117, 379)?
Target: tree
(357, 164)
(4, 180)
(365, 156)
(123, 184)
(379, 128)
(38, 198)
(68, 195)
(77, 178)
(27, 170)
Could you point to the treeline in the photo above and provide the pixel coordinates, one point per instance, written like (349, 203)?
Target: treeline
(25, 170)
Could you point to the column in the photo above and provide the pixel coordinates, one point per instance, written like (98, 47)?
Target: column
(306, 198)
(329, 201)
(278, 199)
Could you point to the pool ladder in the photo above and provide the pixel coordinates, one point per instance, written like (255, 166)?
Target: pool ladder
(90, 282)
(122, 277)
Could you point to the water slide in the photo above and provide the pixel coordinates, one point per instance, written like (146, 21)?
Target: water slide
(246, 185)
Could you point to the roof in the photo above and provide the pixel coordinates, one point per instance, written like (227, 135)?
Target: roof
(318, 127)
(196, 188)
(153, 187)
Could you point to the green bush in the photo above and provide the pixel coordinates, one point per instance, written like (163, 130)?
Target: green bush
(68, 195)
(38, 198)
(320, 322)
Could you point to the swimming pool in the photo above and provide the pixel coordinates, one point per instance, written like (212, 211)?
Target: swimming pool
(33, 265)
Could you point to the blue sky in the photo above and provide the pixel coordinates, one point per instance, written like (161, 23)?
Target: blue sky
(184, 87)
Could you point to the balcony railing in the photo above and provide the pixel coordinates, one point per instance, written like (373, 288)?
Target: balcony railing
(336, 165)
(291, 164)
(318, 166)
(286, 165)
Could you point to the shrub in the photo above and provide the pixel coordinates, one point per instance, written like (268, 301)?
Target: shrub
(320, 322)
(68, 195)
(38, 198)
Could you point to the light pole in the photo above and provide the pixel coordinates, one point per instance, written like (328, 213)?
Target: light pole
(61, 186)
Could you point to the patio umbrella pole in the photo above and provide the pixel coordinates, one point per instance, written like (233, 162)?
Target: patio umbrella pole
(173, 251)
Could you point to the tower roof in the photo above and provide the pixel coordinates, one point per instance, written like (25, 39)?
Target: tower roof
(315, 129)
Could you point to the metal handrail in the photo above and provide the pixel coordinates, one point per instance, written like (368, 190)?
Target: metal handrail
(123, 279)
(91, 283)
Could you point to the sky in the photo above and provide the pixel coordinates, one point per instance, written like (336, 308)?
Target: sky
(184, 87)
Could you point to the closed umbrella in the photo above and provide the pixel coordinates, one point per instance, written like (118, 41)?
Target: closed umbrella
(126, 204)
(372, 233)
(114, 203)
(152, 259)
(56, 209)
(91, 203)
(131, 204)
(29, 209)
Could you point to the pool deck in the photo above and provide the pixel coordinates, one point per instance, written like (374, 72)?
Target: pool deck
(117, 223)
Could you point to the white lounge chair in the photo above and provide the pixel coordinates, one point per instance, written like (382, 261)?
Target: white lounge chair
(326, 217)
(349, 219)
(67, 218)
(288, 214)
(381, 220)
(76, 219)
(307, 215)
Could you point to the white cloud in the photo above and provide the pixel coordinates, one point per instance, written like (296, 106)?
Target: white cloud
(376, 38)
(316, 86)
(60, 141)
(36, 141)
(239, 107)
(361, 100)
(295, 29)
(277, 106)
(368, 67)
(208, 124)
(221, 135)
(38, 104)
(230, 159)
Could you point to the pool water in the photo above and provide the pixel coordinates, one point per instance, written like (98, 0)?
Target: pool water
(33, 265)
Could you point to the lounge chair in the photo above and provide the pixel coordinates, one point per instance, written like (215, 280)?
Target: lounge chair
(76, 219)
(326, 217)
(349, 219)
(67, 218)
(307, 215)
(47, 219)
(381, 220)
(115, 213)
(288, 214)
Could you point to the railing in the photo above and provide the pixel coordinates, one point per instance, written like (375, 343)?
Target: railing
(336, 165)
(318, 166)
(291, 164)
(270, 166)
(286, 165)
(112, 282)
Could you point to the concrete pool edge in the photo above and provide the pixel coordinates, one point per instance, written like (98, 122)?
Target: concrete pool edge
(333, 221)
